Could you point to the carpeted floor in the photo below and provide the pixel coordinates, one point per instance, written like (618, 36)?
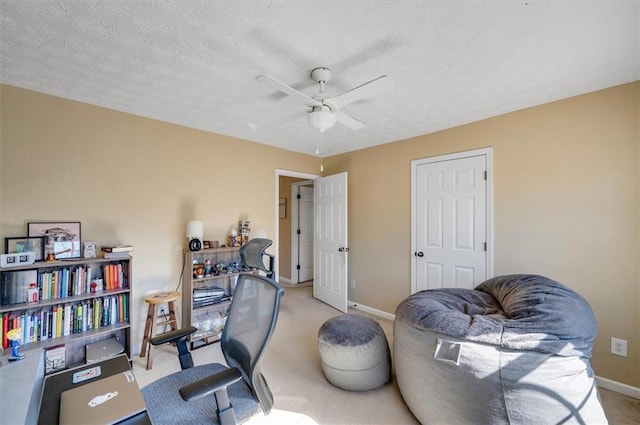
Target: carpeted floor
(302, 395)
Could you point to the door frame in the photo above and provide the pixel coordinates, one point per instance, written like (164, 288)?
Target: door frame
(488, 154)
(295, 217)
(276, 201)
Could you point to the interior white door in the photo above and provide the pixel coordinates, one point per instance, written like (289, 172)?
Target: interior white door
(305, 233)
(450, 223)
(331, 249)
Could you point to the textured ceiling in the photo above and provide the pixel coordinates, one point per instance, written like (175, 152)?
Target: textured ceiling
(194, 63)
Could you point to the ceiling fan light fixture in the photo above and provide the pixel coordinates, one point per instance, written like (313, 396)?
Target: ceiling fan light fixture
(321, 118)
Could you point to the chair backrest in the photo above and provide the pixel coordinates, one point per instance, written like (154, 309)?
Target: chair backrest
(252, 318)
(253, 253)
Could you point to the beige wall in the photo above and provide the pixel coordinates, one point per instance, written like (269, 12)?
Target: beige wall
(566, 205)
(132, 180)
(566, 189)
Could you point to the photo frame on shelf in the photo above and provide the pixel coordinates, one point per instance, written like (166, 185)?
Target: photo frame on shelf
(18, 245)
(62, 235)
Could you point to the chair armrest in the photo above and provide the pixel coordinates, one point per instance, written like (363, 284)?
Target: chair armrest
(210, 384)
(272, 259)
(172, 336)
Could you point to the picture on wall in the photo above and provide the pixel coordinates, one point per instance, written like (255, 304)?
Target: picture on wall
(282, 208)
(61, 239)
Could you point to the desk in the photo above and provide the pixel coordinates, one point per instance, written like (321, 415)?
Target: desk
(20, 387)
(57, 383)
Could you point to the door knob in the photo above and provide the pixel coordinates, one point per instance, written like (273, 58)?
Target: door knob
(419, 254)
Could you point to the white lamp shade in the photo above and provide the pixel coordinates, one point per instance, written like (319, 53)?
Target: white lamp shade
(195, 229)
(321, 118)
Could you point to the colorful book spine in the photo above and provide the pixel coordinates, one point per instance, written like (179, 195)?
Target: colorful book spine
(54, 285)
(87, 280)
(114, 310)
(5, 329)
(96, 314)
(121, 308)
(66, 320)
(44, 334)
(60, 312)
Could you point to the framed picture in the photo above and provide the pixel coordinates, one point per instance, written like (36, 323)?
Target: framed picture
(61, 236)
(21, 244)
(282, 208)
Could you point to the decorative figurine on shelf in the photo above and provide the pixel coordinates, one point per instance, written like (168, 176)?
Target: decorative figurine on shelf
(198, 270)
(14, 336)
(234, 266)
(233, 240)
(208, 269)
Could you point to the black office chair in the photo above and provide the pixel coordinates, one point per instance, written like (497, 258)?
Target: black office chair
(182, 396)
(253, 254)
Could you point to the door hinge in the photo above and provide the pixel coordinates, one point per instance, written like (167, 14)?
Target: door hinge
(485, 175)
(298, 196)
(298, 231)
(298, 267)
(485, 246)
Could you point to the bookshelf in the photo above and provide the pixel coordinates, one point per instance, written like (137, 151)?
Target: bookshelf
(68, 309)
(208, 315)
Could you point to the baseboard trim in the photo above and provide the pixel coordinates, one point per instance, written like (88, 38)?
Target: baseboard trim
(372, 310)
(285, 280)
(618, 387)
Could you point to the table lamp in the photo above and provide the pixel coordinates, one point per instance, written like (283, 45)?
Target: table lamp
(195, 233)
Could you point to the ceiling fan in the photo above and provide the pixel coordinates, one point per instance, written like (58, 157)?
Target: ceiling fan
(322, 111)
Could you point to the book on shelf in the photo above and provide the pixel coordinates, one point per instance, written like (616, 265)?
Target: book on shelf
(205, 302)
(113, 276)
(54, 358)
(117, 248)
(207, 292)
(116, 255)
(65, 319)
(5, 328)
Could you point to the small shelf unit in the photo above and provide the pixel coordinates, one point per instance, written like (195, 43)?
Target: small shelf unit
(210, 318)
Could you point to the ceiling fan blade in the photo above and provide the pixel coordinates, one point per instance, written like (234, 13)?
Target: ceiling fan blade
(289, 118)
(279, 85)
(371, 88)
(349, 121)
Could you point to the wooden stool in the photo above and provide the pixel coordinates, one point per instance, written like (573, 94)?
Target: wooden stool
(170, 319)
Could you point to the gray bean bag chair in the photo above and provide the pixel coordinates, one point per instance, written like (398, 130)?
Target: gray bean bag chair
(514, 350)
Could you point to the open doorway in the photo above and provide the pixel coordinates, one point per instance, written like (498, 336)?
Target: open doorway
(301, 231)
(286, 185)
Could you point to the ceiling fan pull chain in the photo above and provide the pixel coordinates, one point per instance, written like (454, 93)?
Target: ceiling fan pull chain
(320, 150)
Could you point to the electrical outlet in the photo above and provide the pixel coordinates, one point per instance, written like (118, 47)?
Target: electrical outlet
(352, 283)
(619, 347)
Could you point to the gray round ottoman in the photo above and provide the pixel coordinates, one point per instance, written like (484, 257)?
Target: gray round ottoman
(354, 352)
